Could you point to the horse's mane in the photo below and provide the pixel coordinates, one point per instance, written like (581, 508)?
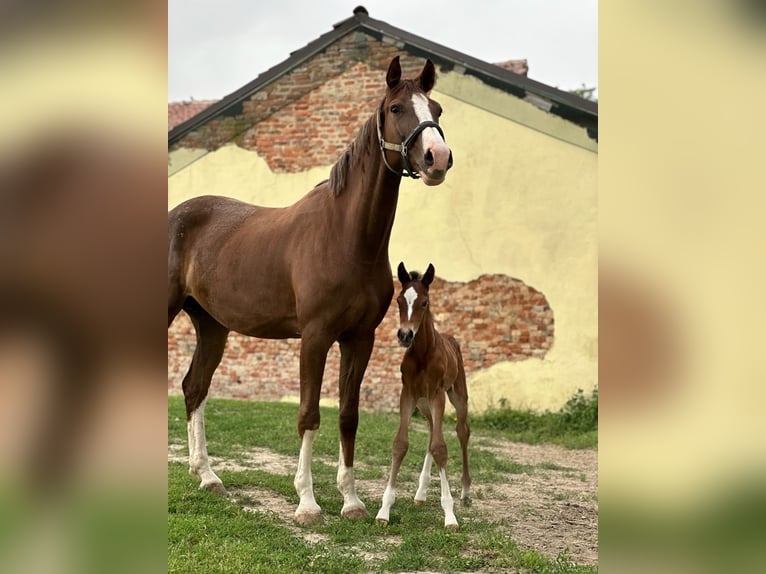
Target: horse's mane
(349, 159)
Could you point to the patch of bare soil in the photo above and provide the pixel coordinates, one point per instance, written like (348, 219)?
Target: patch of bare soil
(553, 508)
(550, 509)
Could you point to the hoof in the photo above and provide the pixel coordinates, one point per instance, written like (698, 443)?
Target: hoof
(419, 502)
(355, 513)
(308, 518)
(451, 526)
(215, 488)
(381, 522)
(465, 501)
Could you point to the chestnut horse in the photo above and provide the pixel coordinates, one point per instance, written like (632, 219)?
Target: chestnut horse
(317, 270)
(432, 367)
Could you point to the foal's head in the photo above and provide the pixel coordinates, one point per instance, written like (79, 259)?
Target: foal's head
(408, 122)
(413, 302)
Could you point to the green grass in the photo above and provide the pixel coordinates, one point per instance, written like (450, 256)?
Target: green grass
(207, 533)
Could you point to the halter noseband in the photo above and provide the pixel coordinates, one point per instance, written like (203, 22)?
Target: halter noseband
(402, 147)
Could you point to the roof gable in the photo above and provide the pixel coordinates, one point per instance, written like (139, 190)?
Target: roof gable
(348, 44)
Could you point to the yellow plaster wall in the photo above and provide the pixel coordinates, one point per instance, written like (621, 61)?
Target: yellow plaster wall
(518, 201)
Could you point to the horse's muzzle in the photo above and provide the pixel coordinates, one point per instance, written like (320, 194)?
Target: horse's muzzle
(405, 337)
(435, 173)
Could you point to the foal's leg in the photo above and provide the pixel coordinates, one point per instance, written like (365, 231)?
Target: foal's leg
(354, 356)
(424, 480)
(211, 340)
(438, 448)
(458, 396)
(313, 357)
(399, 449)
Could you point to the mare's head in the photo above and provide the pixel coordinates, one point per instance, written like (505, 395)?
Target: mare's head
(412, 143)
(413, 302)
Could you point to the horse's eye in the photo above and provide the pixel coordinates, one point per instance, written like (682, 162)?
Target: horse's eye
(425, 304)
(395, 109)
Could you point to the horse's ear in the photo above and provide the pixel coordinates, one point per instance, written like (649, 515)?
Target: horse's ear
(427, 77)
(429, 276)
(403, 274)
(394, 73)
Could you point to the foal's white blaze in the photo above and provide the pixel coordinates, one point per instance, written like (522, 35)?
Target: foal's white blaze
(304, 484)
(199, 465)
(347, 486)
(410, 296)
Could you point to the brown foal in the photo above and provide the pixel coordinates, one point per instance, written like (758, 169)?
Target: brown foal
(432, 367)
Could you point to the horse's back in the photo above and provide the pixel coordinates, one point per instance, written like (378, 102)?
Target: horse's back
(199, 212)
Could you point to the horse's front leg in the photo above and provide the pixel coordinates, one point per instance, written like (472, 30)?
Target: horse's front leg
(312, 362)
(354, 356)
(398, 450)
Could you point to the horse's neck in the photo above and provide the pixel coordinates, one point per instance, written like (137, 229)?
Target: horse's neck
(425, 339)
(370, 206)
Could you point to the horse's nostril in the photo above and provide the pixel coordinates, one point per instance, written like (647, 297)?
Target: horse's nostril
(429, 158)
(449, 161)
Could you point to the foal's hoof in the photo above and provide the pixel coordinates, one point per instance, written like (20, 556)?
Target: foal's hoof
(381, 522)
(355, 513)
(419, 502)
(465, 501)
(215, 488)
(308, 518)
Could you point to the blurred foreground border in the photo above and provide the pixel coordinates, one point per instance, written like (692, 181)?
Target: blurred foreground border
(681, 369)
(82, 235)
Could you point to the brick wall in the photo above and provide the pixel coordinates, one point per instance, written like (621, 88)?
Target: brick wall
(307, 117)
(494, 318)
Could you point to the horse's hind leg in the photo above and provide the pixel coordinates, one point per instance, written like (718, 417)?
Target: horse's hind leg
(458, 396)
(211, 340)
(424, 480)
(438, 449)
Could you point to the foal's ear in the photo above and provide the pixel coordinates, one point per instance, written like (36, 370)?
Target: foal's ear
(427, 77)
(404, 276)
(429, 276)
(394, 73)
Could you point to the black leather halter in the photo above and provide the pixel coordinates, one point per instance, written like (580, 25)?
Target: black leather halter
(402, 147)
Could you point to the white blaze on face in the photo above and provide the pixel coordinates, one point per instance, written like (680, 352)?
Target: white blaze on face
(410, 296)
(431, 136)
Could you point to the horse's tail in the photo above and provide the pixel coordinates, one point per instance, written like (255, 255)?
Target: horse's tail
(177, 237)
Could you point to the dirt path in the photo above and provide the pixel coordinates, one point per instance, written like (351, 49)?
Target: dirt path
(550, 509)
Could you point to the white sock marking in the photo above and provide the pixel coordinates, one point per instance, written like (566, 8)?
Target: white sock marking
(347, 486)
(425, 478)
(448, 504)
(389, 497)
(304, 484)
(199, 464)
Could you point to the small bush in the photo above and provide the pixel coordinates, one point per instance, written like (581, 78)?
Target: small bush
(575, 425)
(580, 413)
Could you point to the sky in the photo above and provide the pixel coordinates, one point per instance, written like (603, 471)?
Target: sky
(217, 46)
